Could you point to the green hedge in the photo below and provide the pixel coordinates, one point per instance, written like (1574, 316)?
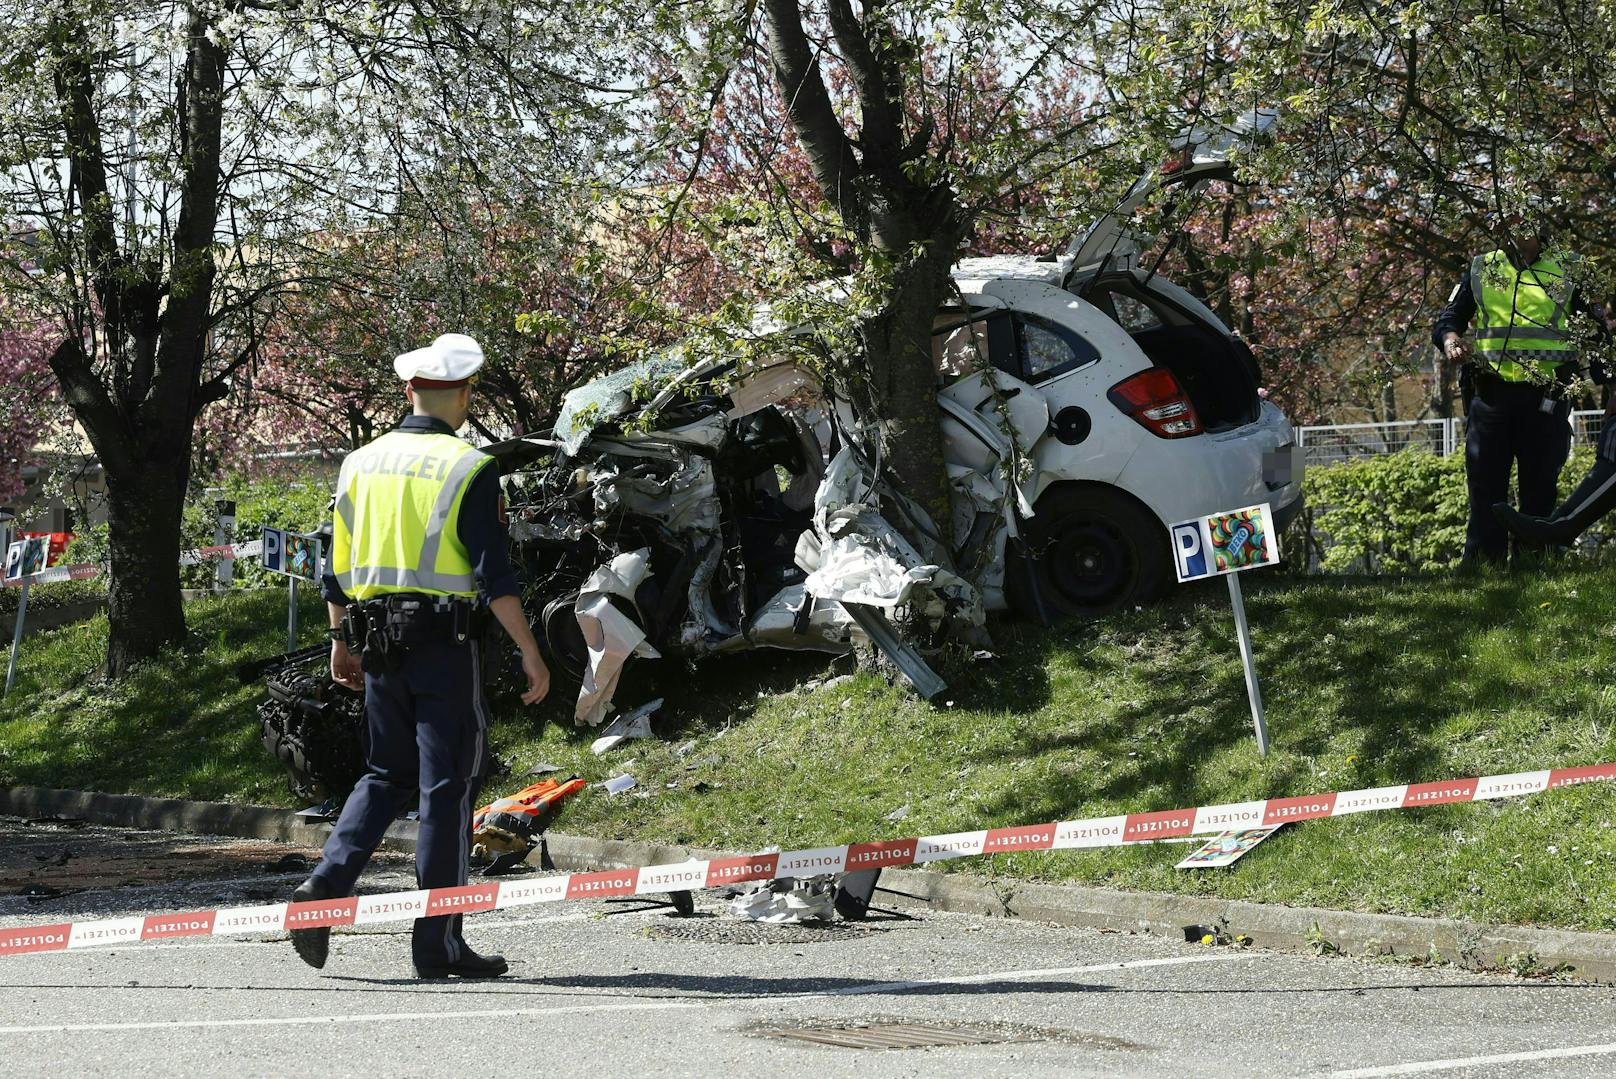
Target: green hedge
(1401, 512)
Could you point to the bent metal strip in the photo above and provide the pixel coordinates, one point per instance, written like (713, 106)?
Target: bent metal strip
(1114, 831)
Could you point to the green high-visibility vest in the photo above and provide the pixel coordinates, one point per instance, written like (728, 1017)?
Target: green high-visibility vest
(1522, 315)
(397, 522)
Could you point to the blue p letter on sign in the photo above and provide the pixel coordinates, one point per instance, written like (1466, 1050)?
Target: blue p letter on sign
(1189, 552)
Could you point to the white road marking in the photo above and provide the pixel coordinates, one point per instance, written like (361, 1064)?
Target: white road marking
(376, 1017)
(1421, 1066)
(1011, 975)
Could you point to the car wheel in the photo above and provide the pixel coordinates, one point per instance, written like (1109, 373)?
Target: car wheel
(564, 639)
(1096, 550)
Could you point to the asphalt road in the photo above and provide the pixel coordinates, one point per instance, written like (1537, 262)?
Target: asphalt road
(603, 989)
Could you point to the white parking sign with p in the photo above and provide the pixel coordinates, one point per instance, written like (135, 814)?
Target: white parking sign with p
(1224, 543)
(1221, 545)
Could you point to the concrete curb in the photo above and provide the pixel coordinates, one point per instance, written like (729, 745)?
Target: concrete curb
(182, 815)
(1474, 946)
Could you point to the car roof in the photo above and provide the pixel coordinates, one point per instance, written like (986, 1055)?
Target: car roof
(971, 274)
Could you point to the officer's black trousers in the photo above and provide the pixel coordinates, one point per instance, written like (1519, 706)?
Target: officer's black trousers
(427, 722)
(1507, 427)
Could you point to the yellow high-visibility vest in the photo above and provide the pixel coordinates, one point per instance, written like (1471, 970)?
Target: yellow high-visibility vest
(1522, 315)
(397, 522)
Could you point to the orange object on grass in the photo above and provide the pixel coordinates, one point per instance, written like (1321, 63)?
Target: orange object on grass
(508, 824)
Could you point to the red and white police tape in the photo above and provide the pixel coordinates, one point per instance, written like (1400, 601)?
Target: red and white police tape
(1114, 831)
(222, 553)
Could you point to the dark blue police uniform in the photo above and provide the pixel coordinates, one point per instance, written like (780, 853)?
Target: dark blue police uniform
(1519, 425)
(427, 721)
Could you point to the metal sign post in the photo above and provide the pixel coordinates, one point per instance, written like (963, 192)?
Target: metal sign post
(291, 614)
(1225, 544)
(16, 636)
(1253, 690)
(24, 559)
(224, 571)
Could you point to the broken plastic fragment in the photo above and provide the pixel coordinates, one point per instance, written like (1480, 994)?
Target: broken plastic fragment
(787, 901)
(634, 724)
(619, 784)
(611, 635)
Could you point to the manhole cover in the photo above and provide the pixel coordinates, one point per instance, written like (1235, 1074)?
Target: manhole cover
(900, 1035)
(724, 931)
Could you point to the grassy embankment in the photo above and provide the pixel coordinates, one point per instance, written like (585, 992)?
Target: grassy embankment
(1368, 683)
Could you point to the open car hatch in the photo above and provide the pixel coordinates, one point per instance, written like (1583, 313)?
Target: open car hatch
(1203, 155)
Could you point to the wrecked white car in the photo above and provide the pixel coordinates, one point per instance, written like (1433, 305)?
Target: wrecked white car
(1086, 403)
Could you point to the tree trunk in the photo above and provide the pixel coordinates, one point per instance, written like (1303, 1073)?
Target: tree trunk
(144, 610)
(917, 224)
(898, 342)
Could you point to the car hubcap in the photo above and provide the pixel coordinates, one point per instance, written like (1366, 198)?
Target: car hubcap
(1091, 564)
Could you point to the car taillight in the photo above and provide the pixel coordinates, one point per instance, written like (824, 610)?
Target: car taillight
(1154, 398)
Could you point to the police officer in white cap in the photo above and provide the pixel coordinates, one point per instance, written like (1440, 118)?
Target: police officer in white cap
(416, 537)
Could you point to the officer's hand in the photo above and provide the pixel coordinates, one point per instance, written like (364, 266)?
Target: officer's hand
(1455, 348)
(345, 667)
(538, 677)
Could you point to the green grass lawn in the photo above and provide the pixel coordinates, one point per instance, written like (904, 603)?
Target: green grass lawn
(184, 727)
(1367, 682)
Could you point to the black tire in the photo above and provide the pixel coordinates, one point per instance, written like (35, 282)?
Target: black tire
(1095, 550)
(563, 638)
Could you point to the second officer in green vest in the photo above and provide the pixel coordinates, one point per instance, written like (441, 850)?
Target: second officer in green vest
(415, 537)
(1521, 298)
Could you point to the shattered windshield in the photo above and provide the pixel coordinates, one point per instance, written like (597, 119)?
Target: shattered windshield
(611, 396)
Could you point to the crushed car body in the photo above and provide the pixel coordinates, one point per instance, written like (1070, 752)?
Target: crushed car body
(683, 507)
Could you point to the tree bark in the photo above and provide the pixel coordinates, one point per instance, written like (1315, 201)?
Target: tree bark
(919, 225)
(897, 340)
(144, 609)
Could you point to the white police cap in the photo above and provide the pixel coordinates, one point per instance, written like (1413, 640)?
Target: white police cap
(450, 360)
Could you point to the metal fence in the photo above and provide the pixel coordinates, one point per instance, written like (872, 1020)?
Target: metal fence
(1333, 443)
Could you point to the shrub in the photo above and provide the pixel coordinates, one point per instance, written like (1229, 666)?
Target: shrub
(1402, 512)
(43, 597)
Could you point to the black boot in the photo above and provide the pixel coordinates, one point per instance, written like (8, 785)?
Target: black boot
(313, 945)
(469, 965)
(1540, 531)
(1594, 497)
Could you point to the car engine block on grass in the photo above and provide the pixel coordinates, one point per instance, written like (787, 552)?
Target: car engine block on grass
(315, 728)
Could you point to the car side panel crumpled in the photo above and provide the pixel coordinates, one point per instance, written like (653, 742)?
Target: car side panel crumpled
(611, 635)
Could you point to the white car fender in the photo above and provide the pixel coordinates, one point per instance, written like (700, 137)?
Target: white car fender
(1113, 438)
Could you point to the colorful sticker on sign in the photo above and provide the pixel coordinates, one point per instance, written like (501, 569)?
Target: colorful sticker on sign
(1239, 539)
